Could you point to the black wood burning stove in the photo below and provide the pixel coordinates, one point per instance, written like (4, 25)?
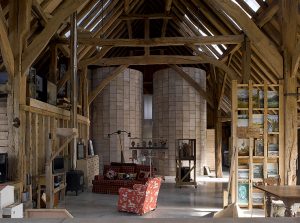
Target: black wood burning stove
(75, 181)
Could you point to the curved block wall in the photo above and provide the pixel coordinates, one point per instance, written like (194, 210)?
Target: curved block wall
(117, 107)
(179, 112)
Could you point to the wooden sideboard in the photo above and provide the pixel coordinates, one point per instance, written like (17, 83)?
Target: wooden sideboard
(90, 167)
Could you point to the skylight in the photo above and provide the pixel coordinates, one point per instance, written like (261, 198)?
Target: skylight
(234, 1)
(202, 33)
(253, 5)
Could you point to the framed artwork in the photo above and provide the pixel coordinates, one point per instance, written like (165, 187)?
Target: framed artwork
(273, 99)
(258, 198)
(80, 151)
(243, 98)
(243, 147)
(258, 98)
(243, 193)
(258, 170)
(91, 148)
(259, 147)
(273, 123)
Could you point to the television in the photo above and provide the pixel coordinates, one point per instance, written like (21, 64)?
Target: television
(58, 164)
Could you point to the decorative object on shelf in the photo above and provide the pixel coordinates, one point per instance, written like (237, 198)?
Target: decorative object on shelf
(163, 142)
(150, 143)
(132, 143)
(144, 144)
(119, 132)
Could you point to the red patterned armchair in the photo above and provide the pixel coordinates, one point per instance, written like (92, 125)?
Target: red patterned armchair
(141, 199)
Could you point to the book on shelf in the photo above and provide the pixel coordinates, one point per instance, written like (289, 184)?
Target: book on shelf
(243, 98)
(257, 98)
(273, 99)
(259, 147)
(243, 120)
(272, 170)
(243, 147)
(273, 149)
(257, 198)
(243, 193)
(243, 174)
(258, 120)
(258, 170)
(273, 123)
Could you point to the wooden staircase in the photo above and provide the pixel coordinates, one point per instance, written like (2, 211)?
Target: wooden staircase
(3, 124)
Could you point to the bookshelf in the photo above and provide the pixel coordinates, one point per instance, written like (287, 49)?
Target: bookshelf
(257, 137)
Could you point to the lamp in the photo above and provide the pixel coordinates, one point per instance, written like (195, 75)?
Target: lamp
(119, 132)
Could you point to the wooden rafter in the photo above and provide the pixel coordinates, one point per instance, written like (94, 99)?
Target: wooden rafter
(143, 16)
(261, 42)
(6, 50)
(105, 82)
(231, 73)
(268, 14)
(165, 22)
(40, 42)
(194, 84)
(163, 41)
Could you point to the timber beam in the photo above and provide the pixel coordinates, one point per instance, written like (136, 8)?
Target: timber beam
(163, 41)
(194, 84)
(6, 50)
(143, 16)
(265, 47)
(105, 82)
(40, 42)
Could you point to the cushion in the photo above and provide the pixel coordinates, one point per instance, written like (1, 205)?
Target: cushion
(111, 174)
(121, 176)
(108, 167)
(132, 176)
(143, 174)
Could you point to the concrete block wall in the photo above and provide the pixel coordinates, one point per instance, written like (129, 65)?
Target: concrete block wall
(179, 112)
(117, 107)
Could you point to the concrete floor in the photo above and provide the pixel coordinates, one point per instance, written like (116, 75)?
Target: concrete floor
(173, 202)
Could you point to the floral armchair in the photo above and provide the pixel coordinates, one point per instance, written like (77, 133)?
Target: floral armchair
(141, 199)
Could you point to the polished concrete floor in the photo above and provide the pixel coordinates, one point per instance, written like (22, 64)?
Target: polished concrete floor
(185, 202)
(173, 202)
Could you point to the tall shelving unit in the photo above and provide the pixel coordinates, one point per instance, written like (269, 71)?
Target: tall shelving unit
(257, 138)
(186, 162)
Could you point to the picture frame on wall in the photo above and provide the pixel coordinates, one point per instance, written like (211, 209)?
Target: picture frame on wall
(80, 151)
(91, 149)
(259, 147)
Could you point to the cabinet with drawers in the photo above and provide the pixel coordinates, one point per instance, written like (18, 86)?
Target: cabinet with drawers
(90, 167)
